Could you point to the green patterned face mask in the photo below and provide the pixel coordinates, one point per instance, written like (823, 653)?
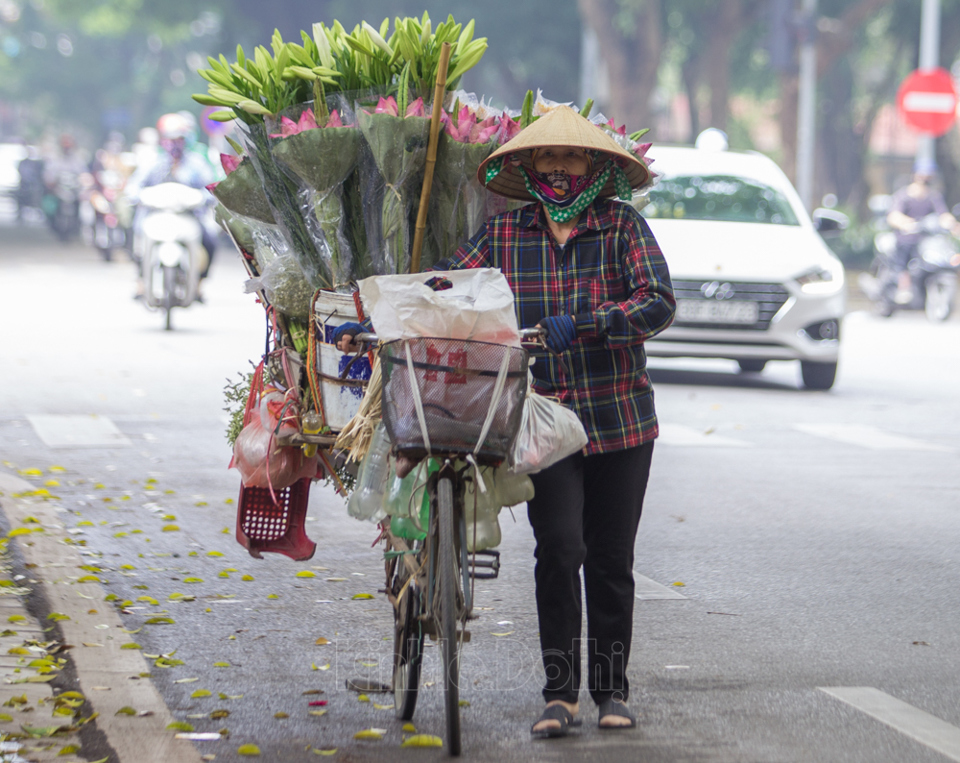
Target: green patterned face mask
(566, 196)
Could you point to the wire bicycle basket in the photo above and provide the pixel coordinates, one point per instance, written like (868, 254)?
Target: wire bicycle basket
(453, 396)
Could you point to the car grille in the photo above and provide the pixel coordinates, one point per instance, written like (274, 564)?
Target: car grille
(769, 298)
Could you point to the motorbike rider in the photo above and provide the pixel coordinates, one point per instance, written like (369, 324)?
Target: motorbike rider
(64, 171)
(909, 206)
(175, 164)
(30, 190)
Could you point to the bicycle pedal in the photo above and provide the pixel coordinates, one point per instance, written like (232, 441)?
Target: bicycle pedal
(484, 565)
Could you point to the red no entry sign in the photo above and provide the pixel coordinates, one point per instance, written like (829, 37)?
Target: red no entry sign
(927, 101)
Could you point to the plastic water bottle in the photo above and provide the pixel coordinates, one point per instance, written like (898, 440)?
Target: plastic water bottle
(481, 510)
(401, 503)
(367, 499)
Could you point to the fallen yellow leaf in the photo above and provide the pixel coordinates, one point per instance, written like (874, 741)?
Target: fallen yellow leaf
(422, 740)
(248, 749)
(374, 734)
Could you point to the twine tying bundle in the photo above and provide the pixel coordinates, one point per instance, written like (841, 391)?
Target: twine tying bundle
(357, 435)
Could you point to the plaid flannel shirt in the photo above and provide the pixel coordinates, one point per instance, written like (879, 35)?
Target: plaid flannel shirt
(612, 278)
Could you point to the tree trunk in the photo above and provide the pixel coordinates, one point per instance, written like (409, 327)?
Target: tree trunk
(691, 83)
(632, 59)
(727, 25)
(789, 92)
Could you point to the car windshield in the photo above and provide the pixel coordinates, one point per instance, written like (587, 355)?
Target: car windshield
(718, 197)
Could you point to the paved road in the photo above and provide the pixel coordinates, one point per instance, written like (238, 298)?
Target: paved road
(815, 536)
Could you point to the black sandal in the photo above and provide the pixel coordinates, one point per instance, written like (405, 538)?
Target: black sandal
(555, 713)
(613, 707)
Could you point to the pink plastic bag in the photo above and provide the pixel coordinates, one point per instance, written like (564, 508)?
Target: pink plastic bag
(262, 463)
(256, 455)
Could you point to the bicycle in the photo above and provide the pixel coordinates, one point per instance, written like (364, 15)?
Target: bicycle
(434, 392)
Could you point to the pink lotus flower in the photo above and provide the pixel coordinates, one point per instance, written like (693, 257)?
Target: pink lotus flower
(468, 129)
(460, 131)
(622, 130)
(387, 105)
(307, 121)
(509, 129)
(416, 109)
(485, 131)
(641, 150)
(334, 120)
(287, 128)
(229, 162)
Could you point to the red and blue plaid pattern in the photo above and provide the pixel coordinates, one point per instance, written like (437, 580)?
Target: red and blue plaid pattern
(612, 278)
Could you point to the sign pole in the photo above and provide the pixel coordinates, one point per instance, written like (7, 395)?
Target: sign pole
(929, 59)
(807, 104)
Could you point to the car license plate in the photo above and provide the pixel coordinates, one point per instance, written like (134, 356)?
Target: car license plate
(716, 311)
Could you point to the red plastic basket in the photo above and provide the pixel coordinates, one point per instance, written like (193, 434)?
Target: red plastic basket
(263, 525)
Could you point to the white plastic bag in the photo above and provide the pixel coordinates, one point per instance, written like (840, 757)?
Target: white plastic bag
(548, 433)
(475, 304)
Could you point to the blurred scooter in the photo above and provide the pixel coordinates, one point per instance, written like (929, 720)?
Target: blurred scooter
(933, 272)
(61, 204)
(168, 244)
(102, 215)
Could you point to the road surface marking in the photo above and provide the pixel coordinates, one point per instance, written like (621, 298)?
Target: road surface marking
(868, 437)
(907, 719)
(78, 431)
(678, 434)
(647, 589)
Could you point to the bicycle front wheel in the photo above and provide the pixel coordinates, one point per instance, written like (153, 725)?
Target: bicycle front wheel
(408, 654)
(448, 582)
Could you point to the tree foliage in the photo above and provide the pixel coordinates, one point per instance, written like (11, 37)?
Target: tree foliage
(135, 59)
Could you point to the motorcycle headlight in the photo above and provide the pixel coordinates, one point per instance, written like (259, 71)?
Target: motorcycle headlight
(819, 280)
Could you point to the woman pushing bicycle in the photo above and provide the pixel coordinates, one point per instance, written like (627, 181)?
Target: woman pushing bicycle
(588, 270)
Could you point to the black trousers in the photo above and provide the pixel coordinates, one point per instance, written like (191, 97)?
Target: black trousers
(585, 514)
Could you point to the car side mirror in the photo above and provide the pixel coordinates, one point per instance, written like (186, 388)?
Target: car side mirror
(829, 222)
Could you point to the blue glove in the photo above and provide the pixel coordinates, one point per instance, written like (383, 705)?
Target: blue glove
(561, 331)
(347, 328)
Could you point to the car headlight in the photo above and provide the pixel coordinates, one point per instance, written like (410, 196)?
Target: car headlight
(819, 280)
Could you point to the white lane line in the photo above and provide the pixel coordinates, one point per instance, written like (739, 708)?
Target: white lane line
(82, 431)
(646, 589)
(868, 437)
(907, 719)
(678, 434)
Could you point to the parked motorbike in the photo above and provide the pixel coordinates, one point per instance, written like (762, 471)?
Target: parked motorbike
(102, 211)
(933, 272)
(169, 246)
(62, 205)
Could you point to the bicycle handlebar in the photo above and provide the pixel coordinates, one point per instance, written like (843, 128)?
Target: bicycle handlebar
(526, 335)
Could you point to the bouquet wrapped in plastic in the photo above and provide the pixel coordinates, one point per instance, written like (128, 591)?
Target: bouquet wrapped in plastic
(399, 149)
(321, 156)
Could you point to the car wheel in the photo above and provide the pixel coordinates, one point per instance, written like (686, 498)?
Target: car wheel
(818, 375)
(752, 365)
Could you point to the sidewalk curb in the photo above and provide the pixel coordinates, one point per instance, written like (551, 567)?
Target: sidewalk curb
(143, 738)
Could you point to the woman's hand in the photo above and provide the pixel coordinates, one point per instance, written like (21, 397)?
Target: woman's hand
(561, 331)
(344, 337)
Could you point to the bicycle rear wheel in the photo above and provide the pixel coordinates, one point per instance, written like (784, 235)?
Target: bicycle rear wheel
(448, 582)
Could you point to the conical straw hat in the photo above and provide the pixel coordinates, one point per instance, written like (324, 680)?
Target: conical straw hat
(560, 127)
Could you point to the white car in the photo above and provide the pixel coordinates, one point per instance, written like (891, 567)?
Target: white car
(753, 278)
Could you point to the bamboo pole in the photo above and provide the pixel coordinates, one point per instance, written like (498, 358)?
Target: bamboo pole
(438, 94)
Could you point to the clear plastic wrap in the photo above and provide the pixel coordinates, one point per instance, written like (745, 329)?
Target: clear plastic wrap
(283, 282)
(281, 193)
